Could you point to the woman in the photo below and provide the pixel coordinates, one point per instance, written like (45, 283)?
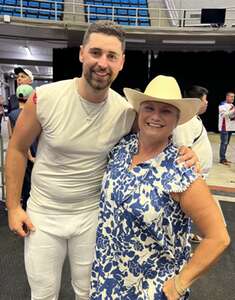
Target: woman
(147, 203)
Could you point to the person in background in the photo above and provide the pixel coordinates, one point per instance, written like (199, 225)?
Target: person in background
(23, 92)
(78, 121)
(193, 133)
(226, 126)
(23, 76)
(1, 112)
(147, 203)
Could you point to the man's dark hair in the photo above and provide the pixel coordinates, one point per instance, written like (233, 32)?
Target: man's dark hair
(108, 28)
(195, 91)
(229, 92)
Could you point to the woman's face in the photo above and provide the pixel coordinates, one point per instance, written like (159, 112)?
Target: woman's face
(157, 120)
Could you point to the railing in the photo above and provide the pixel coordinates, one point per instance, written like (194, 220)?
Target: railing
(73, 11)
(49, 10)
(124, 15)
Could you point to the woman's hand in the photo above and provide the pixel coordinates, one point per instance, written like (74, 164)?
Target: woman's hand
(170, 290)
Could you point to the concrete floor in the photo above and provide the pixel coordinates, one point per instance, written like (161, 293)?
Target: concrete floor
(222, 177)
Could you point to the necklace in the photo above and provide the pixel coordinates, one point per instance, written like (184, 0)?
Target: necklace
(91, 110)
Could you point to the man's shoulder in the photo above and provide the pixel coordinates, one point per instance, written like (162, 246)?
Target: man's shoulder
(189, 124)
(223, 105)
(55, 85)
(118, 100)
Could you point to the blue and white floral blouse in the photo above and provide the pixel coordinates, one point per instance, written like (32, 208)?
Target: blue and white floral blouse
(142, 235)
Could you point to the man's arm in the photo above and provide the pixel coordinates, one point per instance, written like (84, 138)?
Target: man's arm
(27, 129)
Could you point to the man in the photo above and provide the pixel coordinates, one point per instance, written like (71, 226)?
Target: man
(193, 133)
(2, 115)
(79, 121)
(226, 125)
(23, 76)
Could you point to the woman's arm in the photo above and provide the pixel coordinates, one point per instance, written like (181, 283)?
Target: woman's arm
(198, 203)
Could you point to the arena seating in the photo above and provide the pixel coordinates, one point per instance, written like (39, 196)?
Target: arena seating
(124, 12)
(33, 9)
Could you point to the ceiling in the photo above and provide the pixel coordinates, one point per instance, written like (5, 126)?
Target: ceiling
(29, 44)
(40, 39)
(33, 55)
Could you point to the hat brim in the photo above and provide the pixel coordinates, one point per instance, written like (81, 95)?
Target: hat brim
(188, 107)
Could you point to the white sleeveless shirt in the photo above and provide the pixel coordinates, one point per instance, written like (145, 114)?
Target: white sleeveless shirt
(72, 152)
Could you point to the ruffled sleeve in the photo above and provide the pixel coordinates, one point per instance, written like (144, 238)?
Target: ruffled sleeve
(174, 177)
(179, 178)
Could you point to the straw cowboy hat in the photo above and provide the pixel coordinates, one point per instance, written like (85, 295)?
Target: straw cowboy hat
(165, 89)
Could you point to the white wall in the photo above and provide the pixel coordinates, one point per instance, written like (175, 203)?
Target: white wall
(199, 4)
(204, 3)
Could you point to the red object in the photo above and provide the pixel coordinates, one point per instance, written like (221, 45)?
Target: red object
(35, 98)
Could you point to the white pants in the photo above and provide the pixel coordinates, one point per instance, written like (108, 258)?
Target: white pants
(45, 250)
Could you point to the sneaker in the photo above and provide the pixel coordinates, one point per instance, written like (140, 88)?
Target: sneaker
(194, 238)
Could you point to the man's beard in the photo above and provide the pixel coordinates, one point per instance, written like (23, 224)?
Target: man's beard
(98, 84)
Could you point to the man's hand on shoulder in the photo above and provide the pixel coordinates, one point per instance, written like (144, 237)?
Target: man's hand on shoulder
(189, 158)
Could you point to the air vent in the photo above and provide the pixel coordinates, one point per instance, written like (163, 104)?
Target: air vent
(195, 16)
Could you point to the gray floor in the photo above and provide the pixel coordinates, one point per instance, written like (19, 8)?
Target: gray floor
(218, 284)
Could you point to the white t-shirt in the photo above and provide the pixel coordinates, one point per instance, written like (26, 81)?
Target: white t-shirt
(193, 134)
(226, 117)
(72, 152)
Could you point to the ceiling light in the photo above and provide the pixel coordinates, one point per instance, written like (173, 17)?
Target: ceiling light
(135, 41)
(6, 19)
(28, 51)
(193, 42)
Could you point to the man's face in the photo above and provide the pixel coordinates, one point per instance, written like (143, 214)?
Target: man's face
(230, 98)
(22, 78)
(102, 58)
(203, 105)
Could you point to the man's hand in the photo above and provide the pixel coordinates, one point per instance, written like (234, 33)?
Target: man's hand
(19, 222)
(189, 157)
(170, 290)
